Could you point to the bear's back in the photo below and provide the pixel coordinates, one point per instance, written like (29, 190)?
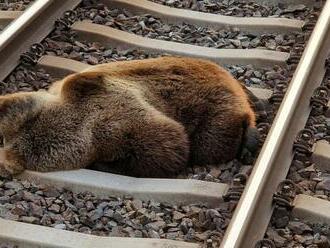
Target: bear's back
(175, 84)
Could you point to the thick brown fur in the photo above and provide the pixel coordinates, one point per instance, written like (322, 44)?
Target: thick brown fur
(151, 117)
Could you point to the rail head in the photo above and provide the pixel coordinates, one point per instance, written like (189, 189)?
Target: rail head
(15, 27)
(31, 27)
(251, 219)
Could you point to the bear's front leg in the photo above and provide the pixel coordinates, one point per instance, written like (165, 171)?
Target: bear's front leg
(9, 164)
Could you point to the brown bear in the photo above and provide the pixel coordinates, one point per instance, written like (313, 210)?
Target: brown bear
(150, 117)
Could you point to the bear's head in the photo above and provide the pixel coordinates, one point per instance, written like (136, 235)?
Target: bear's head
(19, 108)
(50, 130)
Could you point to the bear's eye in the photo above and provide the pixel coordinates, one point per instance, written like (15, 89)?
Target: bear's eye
(2, 141)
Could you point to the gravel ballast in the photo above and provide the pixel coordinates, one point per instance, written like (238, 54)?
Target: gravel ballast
(289, 232)
(111, 216)
(308, 178)
(149, 26)
(15, 5)
(64, 44)
(242, 8)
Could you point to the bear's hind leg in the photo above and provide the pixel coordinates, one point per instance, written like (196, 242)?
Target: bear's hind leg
(159, 148)
(216, 140)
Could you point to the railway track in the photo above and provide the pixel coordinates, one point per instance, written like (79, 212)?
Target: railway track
(9, 11)
(205, 207)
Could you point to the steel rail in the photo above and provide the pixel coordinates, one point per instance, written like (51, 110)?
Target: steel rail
(254, 209)
(22, 21)
(36, 22)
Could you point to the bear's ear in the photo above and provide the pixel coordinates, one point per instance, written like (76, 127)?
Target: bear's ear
(81, 85)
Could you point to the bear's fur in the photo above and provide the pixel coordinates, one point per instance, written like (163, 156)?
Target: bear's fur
(151, 117)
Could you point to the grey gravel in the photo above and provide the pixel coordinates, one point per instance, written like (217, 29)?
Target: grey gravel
(305, 174)
(298, 233)
(151, 27)
(324, 184)
(64, 44)
(25, 79)
(284, 229)
(113, 216)
(298, 227)
(15, 5)
(242, 8)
